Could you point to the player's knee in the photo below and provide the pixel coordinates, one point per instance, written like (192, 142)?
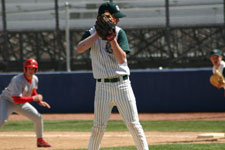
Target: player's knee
(37, 118)
(2, 123)
(133, 125)
(98, 130)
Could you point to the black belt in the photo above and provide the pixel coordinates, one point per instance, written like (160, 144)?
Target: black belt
(112, 80)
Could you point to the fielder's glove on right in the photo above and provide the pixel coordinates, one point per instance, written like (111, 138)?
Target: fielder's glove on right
(105, 26)
(217, 79)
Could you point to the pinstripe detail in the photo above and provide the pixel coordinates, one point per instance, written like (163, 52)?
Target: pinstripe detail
(102, 113)
(128, 110)
(104, 64)
(118, 94)
(108, 95)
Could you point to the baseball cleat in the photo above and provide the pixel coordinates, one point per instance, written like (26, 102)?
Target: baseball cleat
(42, 143)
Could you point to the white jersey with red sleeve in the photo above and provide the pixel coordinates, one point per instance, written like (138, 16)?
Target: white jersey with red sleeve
(19, 86)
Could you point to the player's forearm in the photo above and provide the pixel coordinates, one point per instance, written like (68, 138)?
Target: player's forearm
(22, 100)
(86, 43)
(118, 52)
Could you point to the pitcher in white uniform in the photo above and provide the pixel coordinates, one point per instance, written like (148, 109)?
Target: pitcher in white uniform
(21, 90)
(113, 87)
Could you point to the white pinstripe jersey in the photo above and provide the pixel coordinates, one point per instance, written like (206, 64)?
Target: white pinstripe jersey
(19, 86)
(104, 63)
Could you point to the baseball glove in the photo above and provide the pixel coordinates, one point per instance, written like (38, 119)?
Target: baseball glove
(217, 79)
(105, 26)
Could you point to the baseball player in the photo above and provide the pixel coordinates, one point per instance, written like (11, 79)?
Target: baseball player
(217, 79)
(216, 60)
(113, 87)
(21, 90)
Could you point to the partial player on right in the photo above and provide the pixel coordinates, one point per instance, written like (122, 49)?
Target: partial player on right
(217, 78)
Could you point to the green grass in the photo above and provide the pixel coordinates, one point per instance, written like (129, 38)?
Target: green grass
(178, 126)
(85, 126)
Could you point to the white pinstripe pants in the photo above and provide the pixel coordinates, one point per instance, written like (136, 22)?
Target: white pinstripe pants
(120, 94)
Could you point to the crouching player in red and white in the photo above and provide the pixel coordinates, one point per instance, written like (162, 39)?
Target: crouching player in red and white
(21, 90)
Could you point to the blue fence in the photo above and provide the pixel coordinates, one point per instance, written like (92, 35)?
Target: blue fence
(167, 90)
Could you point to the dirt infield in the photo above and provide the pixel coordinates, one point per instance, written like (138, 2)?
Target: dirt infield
(76, 140)
(79, 140)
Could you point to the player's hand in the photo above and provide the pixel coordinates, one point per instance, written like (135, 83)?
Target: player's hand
(44, 104)
(38, 98)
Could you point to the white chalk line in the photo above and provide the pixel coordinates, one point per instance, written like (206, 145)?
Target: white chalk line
(88, 135)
